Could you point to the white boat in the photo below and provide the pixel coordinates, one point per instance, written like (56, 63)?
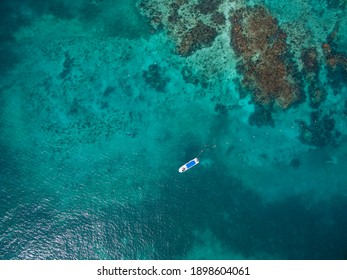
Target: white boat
(188, 165)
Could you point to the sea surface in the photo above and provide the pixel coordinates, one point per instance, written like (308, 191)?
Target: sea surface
(101, 101)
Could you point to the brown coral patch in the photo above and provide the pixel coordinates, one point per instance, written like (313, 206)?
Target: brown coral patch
(333, 58)
(198, 36)
(336, 62)
(309, 58)
(261, 45)
(311, 62)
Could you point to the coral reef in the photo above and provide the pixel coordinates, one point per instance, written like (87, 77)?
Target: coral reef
(319, 132)
(336, 63)
(260, 43)
(154, 77)
(334, 59)
(67, 66)
(311, 62)
(309, 58)
(188, 76)
(191, 25)
(268, 61)
(317, 94)
(221, 109)
(199, 36)
(218, 18)
(208, 6)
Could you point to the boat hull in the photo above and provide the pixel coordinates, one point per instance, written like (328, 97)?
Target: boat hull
(190, 164)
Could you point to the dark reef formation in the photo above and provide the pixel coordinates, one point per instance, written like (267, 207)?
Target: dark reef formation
(336, 4)
(67, 66)
(334, 59)
(311, 61)
(155, 78)
(320, 131)
(261, 117)
(208, 6)
(295, 163)
(218, 18)
(193, 77)
(261, 44)
(336, 63)
(197, 37)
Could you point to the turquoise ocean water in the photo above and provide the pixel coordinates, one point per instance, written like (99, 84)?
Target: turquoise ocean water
(102, 101)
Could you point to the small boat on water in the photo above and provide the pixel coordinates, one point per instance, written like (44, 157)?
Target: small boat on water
(188, 165)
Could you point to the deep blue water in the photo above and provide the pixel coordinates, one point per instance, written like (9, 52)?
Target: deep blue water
(99, 110)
